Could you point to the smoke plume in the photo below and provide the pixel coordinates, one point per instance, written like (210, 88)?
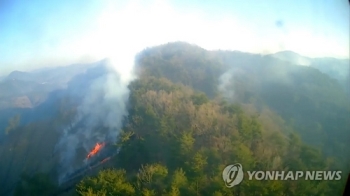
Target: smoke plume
(227, 83)
(224, 83)
(99, 116)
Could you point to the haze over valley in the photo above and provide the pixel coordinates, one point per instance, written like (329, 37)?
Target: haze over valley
(158, 97)
(66, 110)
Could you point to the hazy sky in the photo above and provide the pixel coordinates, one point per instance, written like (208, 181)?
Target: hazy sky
(58, 32)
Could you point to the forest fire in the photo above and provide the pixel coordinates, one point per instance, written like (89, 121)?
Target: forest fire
(95, 150)
(105, 151)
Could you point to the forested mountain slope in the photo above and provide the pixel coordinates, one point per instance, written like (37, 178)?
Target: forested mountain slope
(184, 140)
(191, 112)
(177, 142)
(312, 103)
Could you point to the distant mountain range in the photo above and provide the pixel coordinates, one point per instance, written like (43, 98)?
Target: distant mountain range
(338, 69)
(34, 95)
(29, 89)
(285, 91)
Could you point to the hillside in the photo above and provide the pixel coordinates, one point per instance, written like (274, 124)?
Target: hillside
(312, 103)
(36, 85)
(338, 69)
(190, 113)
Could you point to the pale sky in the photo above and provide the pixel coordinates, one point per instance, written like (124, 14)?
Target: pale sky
(41, 33)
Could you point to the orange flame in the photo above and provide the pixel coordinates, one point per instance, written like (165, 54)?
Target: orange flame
(96, 149)
(106, 159)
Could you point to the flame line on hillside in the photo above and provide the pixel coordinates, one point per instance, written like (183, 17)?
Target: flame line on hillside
(97, 148)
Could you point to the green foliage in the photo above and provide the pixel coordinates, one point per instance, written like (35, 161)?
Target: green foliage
(149, 173)
(231, 108)
(198, 163)
(182, 63)
(179, 178)
(146, 192)
(186, 143)
(180, 135)
(179, 147)
(107, 182)
(199, 99)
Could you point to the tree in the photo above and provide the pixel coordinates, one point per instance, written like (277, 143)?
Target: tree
(110, 181)
(151, 177)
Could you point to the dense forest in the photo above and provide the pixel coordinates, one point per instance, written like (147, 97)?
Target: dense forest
(192, 112)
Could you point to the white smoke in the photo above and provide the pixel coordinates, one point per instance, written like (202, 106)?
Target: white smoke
(227, 83)
(103, 108)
